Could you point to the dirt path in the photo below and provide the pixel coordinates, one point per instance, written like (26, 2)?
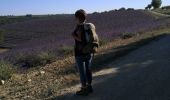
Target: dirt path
(143, 74)
(2, 50)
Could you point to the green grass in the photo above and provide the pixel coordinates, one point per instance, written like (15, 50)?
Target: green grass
(6, 70)
(36, 60)
(128, 35)
(1, 36)
(66, 50)
(103, 41)
(162, 11)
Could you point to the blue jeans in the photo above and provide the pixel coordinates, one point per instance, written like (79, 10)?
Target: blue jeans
(84, 68)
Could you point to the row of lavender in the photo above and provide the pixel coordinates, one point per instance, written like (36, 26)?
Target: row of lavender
(51, 34)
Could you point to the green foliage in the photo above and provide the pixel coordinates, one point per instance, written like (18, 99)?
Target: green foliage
(127, 35)
(103, 41)
(65, 50)
(28, 61)
(6, 70)
(156, 3)
(1, 36)
(46, 57)
(130, 9)
(95, 13)
(122, 9)
(166, 7)
(35, 60)
(148, 7)
(29, 15)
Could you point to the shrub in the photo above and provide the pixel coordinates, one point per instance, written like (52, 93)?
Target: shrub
(46, 57)
(28, 61)
(103, 41)
(148, 7)
(165, 8)
(95, 13)
(115, 10)
(29, 15)
(130, 9)
(2, 21)
(1, 36)
(65, 50)
(35, 60)
(6, 70)
(122, 9)
(127, 35)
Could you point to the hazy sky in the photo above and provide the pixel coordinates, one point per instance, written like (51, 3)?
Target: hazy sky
(22, 7)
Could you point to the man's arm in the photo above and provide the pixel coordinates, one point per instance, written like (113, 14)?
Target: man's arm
(78, 36)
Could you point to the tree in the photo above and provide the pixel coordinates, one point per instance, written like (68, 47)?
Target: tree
(148, 7)
(122, 9)
(130, 9)
(95, 13)
(29, 15)
(156, 3)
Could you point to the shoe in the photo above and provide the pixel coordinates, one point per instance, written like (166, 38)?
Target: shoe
(89, 89)
(82, 92)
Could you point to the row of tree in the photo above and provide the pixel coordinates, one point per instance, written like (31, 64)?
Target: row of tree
(155, 4)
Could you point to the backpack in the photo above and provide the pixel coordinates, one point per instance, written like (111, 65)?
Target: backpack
(91, 38)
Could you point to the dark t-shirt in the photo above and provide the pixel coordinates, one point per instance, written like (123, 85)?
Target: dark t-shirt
(80, 44)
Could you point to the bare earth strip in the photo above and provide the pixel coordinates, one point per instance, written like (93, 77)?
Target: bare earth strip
(141, 75)
(3, 50)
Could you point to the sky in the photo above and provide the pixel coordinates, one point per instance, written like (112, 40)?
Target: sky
(37, 7)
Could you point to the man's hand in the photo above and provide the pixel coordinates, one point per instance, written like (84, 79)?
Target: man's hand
(78, 38)
(73, 34)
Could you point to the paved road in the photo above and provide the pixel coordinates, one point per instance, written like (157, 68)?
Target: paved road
(144, 74)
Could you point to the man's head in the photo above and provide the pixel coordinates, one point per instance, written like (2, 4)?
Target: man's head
(80, 16)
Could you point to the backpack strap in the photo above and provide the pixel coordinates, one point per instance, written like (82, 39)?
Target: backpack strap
(86, 28)
(93, 56)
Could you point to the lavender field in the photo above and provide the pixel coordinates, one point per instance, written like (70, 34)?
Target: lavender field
(52, 34)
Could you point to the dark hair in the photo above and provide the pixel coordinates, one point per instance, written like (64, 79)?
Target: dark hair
(81, 15)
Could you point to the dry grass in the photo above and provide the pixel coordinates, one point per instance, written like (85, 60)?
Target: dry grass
(158, 14)
(3, 50)
(47, 81)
